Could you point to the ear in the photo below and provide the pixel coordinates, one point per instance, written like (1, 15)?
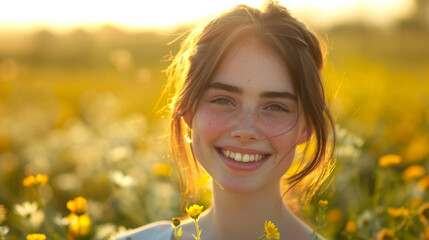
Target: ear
(188, 119)
(305, 132)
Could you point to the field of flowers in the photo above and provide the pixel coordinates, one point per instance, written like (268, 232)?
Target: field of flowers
(84, 152)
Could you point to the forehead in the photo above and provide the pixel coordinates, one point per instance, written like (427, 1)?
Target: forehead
(250, 62)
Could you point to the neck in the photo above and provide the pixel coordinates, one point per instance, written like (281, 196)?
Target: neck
(242, 215)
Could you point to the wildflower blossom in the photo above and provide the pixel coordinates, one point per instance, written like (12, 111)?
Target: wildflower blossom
(424, 213)
(389, 160)
(424, 183)
(121, 180)
(162, 170)
(271, 231)
(30, 212)
(26, 209)
(425, 234)
(175, 221)
(60, 220)
(77, 205)
(323, 203)
(385, 234)
(398, 212)
(334, 215)
(79, 224)
(38, 180)
(2, 213)
(350, 227)
(194, 211)
(413, 172)
(3, 231)
(365, 218)
(36, 236)
(177, 231)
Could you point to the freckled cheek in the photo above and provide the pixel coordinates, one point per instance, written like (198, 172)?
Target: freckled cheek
(282, 136)
(209, 125)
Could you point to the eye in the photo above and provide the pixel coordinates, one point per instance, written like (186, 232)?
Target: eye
(222, 101)
(276, 108)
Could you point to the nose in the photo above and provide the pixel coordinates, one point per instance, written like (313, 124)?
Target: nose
(244, 129)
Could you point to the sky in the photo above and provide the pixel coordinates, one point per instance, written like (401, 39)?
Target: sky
(138, 14)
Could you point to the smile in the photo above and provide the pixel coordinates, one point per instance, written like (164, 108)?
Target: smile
(242, 157)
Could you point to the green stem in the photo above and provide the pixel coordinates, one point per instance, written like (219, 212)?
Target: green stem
(176, 233)
(261, 237)
(198, 237)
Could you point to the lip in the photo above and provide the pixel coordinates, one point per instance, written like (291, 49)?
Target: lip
(242, 166)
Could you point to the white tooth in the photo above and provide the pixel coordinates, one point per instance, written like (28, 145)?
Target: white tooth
(252, 158)
(257, 157)
(246, 158)
(238, 157)
(223, 152)
(227, 153)
(231, 155)
(260, 157)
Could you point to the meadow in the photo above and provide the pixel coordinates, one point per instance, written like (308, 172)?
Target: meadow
(81, 109)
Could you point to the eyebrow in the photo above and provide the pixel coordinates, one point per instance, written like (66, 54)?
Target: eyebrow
(286, 95)
(226, 87)
(267, 94)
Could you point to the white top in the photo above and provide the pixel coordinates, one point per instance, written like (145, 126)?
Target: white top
(162, 230)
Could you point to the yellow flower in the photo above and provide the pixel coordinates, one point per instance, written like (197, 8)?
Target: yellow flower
(42, 179)
(424, 183)
(36, 236)
(424, 213)
(334, 215)
(413, 172)
(417, 148)
(351, 227)
(2, 213)
(177, 231)
(162, 170)
(385, 234)
(389, 160)
(194, 211)
(425, 234)
(79, 225)
(323, 203)
(38, 180)
(271, 231)
(175, 221)
(397, 212)
(29, 181)
(77, 205)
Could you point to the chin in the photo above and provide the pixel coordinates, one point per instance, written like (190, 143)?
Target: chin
(239, 186)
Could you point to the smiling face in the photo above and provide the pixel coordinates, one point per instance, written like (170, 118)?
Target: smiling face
(246, 127)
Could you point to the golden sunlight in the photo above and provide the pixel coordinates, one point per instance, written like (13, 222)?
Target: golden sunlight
(135, 14)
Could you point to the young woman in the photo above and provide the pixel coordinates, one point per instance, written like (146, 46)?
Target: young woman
(247, 91)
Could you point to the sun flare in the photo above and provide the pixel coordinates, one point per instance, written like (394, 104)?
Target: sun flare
(135, 14)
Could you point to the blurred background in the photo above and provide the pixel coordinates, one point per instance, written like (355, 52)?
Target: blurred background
(79, 87)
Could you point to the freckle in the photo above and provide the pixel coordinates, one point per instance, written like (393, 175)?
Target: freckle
(248, 80)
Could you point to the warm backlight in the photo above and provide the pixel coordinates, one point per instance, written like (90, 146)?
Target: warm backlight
(161, 13)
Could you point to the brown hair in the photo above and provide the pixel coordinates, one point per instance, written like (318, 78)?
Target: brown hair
(200, 55)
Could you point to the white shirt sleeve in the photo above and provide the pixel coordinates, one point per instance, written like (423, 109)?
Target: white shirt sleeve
(162, 230)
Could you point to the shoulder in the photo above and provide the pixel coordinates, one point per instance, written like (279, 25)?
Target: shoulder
(162, 230)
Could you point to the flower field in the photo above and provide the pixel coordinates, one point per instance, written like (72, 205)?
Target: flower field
(84, 151)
